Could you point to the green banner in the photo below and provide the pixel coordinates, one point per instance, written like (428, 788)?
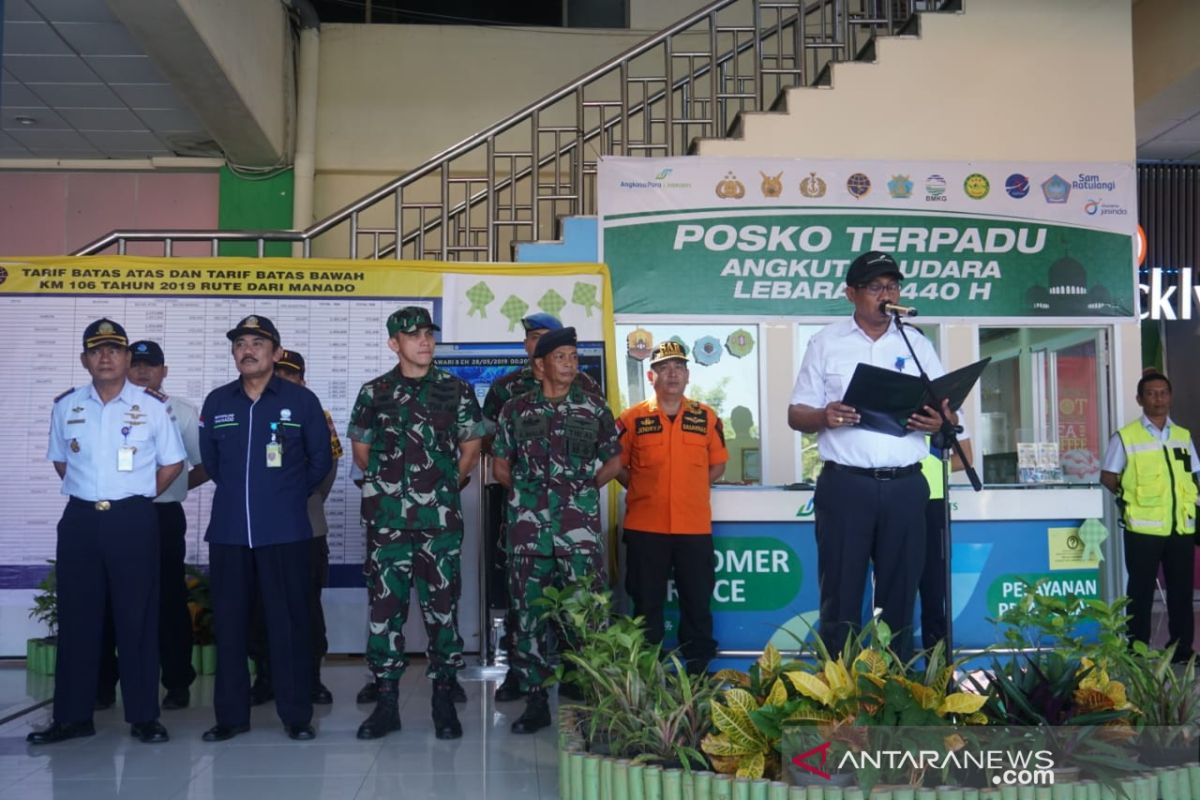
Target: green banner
(792, 262)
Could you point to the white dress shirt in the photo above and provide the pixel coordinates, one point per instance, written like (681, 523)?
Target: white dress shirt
(187, 419)
(87, 433)
(829, 362)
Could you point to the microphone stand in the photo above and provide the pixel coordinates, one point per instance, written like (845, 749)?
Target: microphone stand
(949, 439)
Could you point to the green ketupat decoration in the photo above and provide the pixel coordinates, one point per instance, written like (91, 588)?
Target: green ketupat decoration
(480, 295)
(585, 295)
(513, 309)
(1092, 533)
(552, 302)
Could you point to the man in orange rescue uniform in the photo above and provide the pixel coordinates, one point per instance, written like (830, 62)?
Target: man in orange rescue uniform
(672, 449)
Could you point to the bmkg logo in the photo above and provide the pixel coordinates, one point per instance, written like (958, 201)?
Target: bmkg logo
(935, 189)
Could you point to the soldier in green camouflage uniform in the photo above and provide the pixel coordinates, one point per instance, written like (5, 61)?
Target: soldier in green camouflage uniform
(416, 433)
(555, 447)
(515, 384)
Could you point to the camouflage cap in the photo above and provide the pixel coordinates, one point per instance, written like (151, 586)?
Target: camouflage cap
(104, 331)
(553, 340)
(668, 351)
(410, 319)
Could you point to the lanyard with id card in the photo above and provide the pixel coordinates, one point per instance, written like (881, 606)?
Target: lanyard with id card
(274, 448)
(125, 453)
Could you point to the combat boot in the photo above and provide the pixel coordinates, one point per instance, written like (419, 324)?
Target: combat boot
(510, 689)
(386, 716)
(445, 718)
(536, 715)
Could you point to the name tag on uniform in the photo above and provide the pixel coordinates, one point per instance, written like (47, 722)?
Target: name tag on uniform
(581, 437)
(274, 455)
(532, 428)
(125, 458)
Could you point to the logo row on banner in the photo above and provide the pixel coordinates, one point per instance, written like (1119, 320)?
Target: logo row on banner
(775, 236)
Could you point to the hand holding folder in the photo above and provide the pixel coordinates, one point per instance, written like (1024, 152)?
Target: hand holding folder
(885, 398)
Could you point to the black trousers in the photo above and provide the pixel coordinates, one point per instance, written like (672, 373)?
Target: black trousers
(282, 573)
(861, 521)
(1143, 555)
(174, 620)
(932, 587)
(107, 558)
(318, 580)
(651, 560)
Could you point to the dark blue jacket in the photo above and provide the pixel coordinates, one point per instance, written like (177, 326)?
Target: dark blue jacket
(253, 504)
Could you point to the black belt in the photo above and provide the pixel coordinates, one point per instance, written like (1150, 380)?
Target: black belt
(106, 505)
(878, 473)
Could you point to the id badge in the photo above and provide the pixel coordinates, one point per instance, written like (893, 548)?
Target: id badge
(125, 458)
(274, 455)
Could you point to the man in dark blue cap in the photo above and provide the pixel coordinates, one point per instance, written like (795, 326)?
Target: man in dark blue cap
(265, 446)
(116, 448)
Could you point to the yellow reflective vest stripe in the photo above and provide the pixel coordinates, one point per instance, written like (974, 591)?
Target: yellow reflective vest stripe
(931, 467)
(1158, 492)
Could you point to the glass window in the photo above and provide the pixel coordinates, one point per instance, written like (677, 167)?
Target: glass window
(1043, 401)
(723, 374)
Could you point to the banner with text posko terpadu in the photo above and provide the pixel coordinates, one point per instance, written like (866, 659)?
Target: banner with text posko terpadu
(737, 236)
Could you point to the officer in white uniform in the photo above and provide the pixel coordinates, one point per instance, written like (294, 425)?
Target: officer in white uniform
(116, 448)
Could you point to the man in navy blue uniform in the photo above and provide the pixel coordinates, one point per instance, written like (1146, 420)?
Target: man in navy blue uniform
(116, 448)
(265, 445)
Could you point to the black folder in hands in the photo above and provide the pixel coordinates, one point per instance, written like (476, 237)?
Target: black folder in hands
(885, 398)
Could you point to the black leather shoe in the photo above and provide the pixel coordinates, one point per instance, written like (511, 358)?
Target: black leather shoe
(536, 715)
(106, 699)
(150, 732)
(261, 692)
(176, 699)
(61, 731)
(219, 733)
(368, 693)
(301, 733)
(510, 689)
(321, 696)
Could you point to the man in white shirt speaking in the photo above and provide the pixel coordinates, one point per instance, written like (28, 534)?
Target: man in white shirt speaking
(870, 497)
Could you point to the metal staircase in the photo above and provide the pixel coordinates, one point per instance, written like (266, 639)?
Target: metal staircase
(513, 181)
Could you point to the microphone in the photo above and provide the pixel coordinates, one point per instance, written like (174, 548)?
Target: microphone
(899, 311)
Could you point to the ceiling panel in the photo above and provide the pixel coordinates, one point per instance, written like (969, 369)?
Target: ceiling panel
(33, 38)
(85, 88)
(76, 95)
(99, 38)
(48, 69)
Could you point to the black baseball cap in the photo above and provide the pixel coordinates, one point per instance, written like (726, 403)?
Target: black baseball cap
(255, 325)
(104, 331)
(291, 360)
(870, 265)
(553, 340)
(147, 352)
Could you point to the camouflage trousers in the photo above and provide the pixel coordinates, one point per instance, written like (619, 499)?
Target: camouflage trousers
(430, 560)
(528, 577)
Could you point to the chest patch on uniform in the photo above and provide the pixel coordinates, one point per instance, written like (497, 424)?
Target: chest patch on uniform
(695, 422)
(581, 437)
(224, 419)
(645, 425)
(443, 397)
(532, 428)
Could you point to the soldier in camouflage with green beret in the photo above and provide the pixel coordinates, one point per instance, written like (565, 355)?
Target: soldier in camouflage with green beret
(416, 432)
(555, 447)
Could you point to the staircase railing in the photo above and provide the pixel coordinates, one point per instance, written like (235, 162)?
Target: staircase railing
(514, 180)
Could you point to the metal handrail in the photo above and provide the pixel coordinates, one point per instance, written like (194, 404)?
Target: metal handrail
(834, 14)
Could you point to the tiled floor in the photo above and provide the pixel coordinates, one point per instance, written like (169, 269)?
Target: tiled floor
(488, 762)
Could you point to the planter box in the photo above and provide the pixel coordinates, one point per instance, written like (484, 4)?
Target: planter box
(41, 656)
